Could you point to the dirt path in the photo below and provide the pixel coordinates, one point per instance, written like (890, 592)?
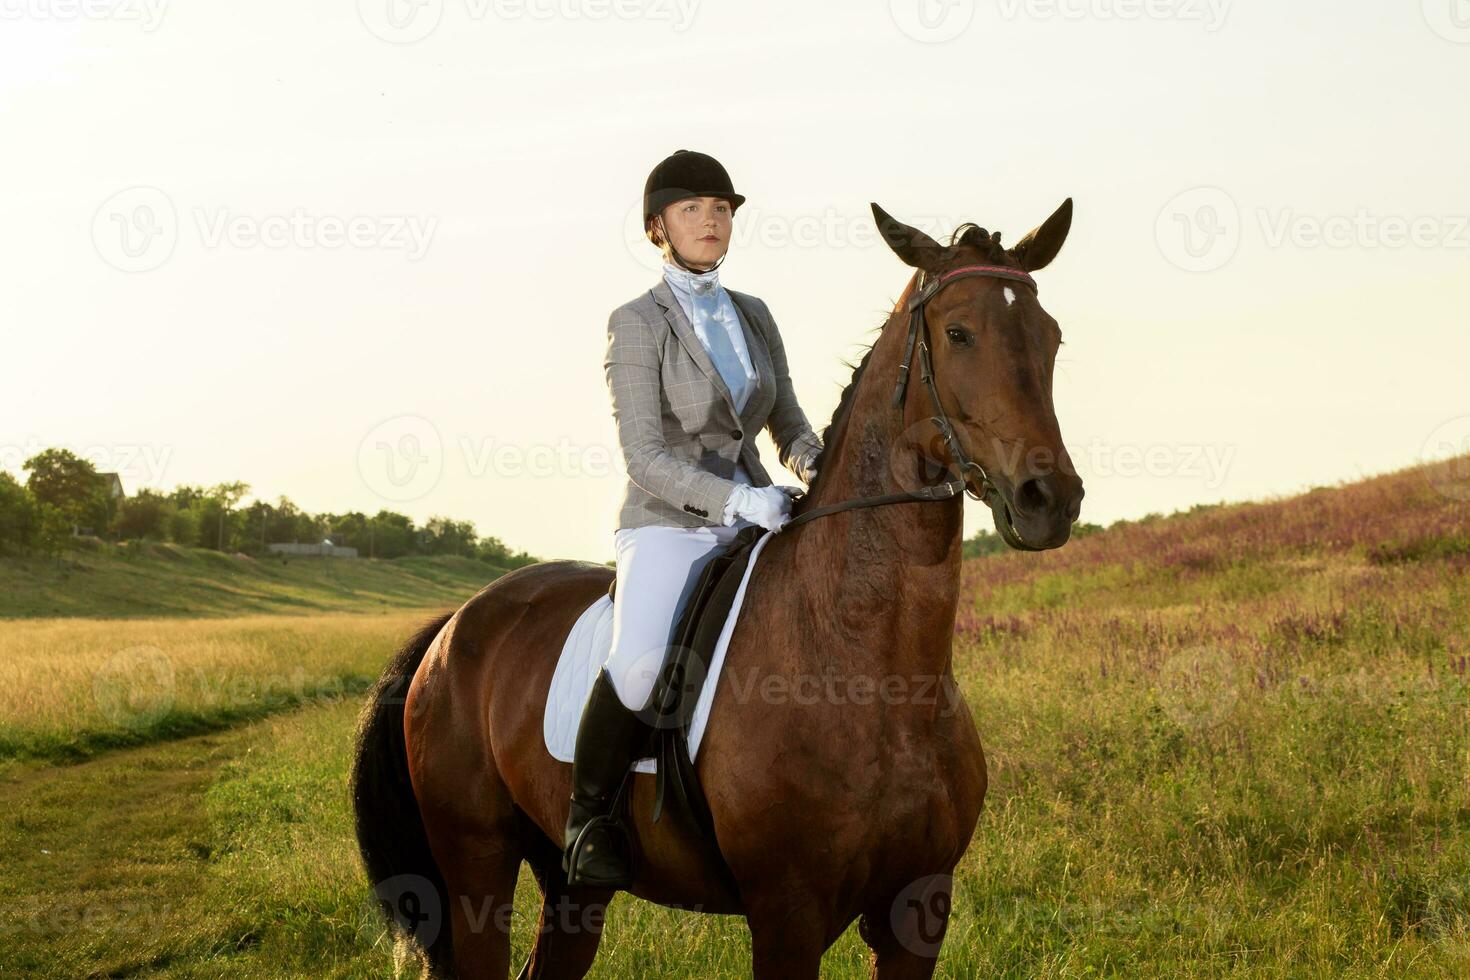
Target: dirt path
(101, 862)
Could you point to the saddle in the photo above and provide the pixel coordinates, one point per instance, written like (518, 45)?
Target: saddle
(677, 688)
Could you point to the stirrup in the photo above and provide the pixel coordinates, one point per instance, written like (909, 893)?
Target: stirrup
(574, 853)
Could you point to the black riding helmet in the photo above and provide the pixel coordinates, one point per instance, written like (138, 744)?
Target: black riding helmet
(686, 173)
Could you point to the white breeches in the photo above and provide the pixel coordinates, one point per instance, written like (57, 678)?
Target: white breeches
(657, 567)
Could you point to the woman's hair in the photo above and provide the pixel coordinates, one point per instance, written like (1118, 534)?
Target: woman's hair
(651, 229)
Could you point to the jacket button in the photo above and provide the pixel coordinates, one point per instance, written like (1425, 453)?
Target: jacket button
(737, 434)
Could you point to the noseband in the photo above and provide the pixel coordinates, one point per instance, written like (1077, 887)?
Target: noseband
(918, 342)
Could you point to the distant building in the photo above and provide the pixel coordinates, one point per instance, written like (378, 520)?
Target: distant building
(326, 549)
(114, 486)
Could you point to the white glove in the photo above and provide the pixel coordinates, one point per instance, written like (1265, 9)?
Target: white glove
(770, 507)
(806, 467)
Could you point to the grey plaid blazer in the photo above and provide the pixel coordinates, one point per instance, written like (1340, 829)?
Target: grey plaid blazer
(677, 425)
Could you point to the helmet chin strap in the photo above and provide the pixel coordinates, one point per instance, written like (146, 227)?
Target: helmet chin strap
(679, 259)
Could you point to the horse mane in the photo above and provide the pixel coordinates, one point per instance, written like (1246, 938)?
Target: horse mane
(988, 245)
(985, 242)
(840, 413)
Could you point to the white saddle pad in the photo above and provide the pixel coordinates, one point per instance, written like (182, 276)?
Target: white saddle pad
(586, 650)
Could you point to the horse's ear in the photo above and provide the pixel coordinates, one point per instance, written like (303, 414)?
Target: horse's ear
(1037, 249)
(910, 244)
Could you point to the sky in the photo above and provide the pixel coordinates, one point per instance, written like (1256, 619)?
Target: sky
(362, 255)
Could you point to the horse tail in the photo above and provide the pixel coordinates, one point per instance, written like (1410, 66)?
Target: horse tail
(410, 889)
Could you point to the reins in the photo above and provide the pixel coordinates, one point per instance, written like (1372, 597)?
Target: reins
(918, 342)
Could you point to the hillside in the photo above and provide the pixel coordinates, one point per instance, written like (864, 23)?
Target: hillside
(1347, 538)
(1230, 740)
(102, 580)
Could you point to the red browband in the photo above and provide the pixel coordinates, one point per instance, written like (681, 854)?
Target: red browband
(998, 271)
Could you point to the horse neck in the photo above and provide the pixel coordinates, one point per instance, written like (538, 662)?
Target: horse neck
(890, 572)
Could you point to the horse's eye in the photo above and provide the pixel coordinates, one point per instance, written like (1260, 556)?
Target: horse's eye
(958, 336)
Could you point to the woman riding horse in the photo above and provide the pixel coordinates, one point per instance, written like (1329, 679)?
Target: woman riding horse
(695, 370)
(826, 811)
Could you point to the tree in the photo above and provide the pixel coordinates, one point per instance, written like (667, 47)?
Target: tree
(18, 517)
(445, 536)
(390, 535)
(983, 543)
(262, 524)
(69, 483)
(493, 551)
(351, 530)
(144, 515)
(186, 496)
(986, 542)
(217, 524)
(53, 528)
(183, 526)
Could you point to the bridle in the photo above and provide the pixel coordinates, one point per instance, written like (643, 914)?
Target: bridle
(918, 343)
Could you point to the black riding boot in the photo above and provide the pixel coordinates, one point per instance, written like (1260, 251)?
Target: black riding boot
(609, 738)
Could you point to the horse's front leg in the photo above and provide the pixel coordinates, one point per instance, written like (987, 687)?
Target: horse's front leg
(905, 934)
(788, 937)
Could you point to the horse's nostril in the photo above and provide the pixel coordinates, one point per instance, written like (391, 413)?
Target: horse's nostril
(1075, 510)
(1033, 495)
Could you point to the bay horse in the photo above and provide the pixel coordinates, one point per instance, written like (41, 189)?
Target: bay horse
(840, 762)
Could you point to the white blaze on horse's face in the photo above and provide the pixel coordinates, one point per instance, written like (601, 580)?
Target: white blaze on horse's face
(1010, 296)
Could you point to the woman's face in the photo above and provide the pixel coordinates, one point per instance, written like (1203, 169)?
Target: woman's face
(699, 228)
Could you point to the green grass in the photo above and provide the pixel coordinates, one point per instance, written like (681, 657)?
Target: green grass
(106, 864)
(1192, 825)
(150, 580)
(1231, 743)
